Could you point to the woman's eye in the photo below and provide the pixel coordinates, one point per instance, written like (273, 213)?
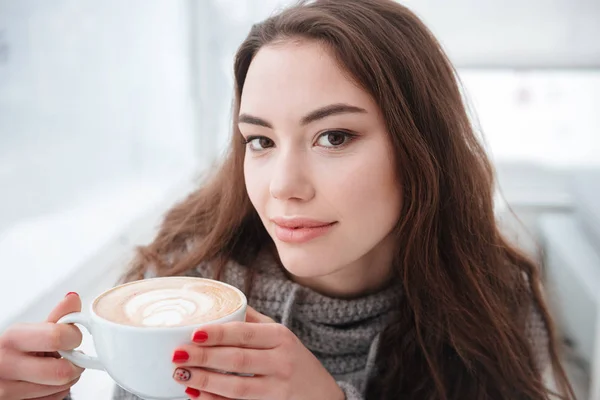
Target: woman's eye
(334, 139)
(258, 143)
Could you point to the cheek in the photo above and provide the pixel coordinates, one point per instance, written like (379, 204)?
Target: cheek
(257, 185)
(370, 193)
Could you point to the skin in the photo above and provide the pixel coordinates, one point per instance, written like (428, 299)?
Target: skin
(282, 367)
(292, 168)
(298, 168)
(30, 368)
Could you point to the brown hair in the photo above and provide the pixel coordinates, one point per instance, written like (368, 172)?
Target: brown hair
(461, 333)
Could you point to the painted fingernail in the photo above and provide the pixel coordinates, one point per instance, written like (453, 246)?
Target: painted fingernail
(192, 392)
(182, 374)
(70, 293)
(180, 356)
(200, 337)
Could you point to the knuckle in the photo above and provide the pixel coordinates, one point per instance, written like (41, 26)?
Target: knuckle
(2, 357)
(203, 381)
(241, 361)
(63, 372)
(241, 390)
(285, 368)
(247, 336)
(220, 335)
(9, 333)
(202, 355)
(7, 361)
(54, 338)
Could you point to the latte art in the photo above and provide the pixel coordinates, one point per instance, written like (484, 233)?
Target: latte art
(168, 307)
(164, 302)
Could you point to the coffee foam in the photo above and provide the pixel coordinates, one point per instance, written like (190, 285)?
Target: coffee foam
(164, 302)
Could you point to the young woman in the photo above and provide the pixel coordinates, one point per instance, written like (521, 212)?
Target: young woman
(355, 208)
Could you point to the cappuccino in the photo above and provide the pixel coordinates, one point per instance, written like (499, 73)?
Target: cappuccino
(168, 302)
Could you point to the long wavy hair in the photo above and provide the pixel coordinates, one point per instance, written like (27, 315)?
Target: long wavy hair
(468, 293)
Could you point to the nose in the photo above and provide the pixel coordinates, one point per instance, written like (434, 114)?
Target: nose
(290, 178)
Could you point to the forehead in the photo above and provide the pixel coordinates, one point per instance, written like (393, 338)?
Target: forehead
(295, 77)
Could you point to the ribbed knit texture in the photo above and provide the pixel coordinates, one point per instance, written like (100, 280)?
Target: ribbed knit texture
(338, 332)
(342, 334)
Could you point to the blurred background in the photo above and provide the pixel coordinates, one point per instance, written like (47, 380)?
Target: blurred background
(111, 110)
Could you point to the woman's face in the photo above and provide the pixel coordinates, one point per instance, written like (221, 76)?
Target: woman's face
(319, 166)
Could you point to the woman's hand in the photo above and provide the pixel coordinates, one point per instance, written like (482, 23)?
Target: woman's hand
(283, 368)
(30, 367)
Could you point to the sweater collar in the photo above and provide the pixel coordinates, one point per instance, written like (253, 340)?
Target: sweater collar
(342, 333)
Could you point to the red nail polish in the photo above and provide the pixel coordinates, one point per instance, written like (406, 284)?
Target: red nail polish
(180, 356)
(70, 293)
(200, 337)
(192, 392)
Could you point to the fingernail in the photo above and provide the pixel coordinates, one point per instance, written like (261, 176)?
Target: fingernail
(200, 337)
(192, 392)
(70, 293)
(182, 374)
(180, 356)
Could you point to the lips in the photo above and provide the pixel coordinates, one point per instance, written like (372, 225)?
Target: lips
(296, 223)
(300, 230)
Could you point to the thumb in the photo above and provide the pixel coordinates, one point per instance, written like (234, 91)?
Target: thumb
(71, 303)
(254, 316)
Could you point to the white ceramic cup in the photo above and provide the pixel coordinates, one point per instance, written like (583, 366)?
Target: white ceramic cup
(139, 358)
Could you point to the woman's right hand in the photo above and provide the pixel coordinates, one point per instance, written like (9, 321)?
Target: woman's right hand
(30, 367)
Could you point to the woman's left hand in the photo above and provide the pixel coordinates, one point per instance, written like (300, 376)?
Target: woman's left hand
(282, 368)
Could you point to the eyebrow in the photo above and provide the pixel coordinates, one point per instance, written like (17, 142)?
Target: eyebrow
(320, 113)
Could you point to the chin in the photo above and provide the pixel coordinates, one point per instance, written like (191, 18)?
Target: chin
(305, 264)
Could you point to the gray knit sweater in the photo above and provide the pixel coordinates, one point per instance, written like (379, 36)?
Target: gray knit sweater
(342, 334)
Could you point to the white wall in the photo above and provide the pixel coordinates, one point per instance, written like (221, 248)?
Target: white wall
(546, 117)
(97, 124)
(494, 33)
(90, 92)
(515, 33)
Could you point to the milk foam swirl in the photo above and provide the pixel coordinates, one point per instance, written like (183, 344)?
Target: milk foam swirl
(168, 302)
(168, 307)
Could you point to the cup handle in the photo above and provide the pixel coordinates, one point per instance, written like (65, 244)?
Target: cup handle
(75, 356)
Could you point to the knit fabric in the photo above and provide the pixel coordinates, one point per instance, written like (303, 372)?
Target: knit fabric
(342, 333)
(338, 332)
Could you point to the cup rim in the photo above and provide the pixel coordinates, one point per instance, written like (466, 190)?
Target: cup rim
(103, 320)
